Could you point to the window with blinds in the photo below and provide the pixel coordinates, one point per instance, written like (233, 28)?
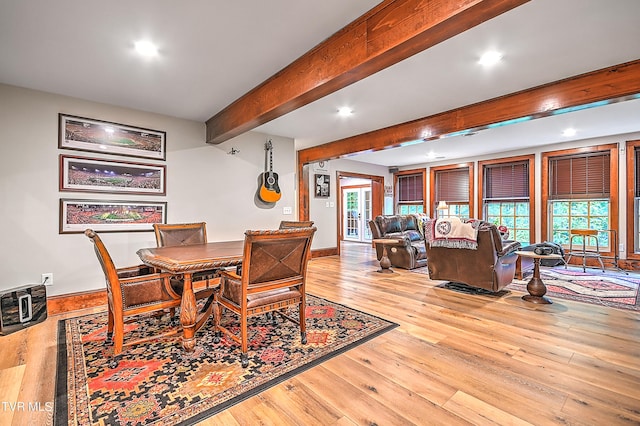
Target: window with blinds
(580, 195)
(410, 188)
(410, 193)
(580, 176)
(637, 170)
(452, 185)
(636, 199)
(505, 198)
(506, 181)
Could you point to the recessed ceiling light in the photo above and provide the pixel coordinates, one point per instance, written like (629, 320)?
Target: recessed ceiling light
(569, 132)
(491, 57)
(345, 111)
(146, 48)
(433, 156)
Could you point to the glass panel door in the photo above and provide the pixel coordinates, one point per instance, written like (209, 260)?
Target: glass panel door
(351, 214)
(356, 214)
(366, 214)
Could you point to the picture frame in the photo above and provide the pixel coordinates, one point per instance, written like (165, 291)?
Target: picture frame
(91, 135)
(322, 187)
(85, 174)
(110, 215)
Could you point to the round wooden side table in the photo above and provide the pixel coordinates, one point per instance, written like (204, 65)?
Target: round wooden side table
(385, 263)
(536, 287)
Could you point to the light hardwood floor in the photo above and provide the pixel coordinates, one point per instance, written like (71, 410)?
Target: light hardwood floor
(454, 359)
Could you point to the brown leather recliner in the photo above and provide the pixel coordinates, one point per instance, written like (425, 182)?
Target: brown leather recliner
(408, 250)
(491, 266)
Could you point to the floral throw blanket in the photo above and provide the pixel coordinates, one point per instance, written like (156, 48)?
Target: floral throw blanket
(451, 232)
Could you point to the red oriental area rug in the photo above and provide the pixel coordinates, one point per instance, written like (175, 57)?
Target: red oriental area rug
(157, 383)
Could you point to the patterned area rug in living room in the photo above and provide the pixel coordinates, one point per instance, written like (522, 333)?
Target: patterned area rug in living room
(609, 288)
(157, 383)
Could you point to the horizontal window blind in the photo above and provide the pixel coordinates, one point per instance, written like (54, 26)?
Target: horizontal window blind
(637, 167)
(580, 176)
(506, 181)
(452, 185)
(410, 188)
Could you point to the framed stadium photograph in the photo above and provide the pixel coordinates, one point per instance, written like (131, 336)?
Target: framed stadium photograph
(87, 134)
(117, 177)
(110, 215)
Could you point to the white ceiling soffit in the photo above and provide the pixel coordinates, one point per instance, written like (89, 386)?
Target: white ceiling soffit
(213, 52)
(541, 41)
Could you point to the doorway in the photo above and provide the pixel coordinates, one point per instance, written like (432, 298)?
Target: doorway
(365, 194)
(356, 213)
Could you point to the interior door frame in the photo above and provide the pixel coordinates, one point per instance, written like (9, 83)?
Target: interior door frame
(377, 198)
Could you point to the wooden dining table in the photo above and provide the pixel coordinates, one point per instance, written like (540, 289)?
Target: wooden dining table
(185, 261)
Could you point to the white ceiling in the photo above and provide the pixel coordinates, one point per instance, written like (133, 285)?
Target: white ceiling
(212, 52)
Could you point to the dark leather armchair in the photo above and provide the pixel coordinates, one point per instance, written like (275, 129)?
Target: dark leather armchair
(491, 266)
(406, 239)
(273, 276)
(132, 291)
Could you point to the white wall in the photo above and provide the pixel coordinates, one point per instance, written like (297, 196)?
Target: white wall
(326, 217)
(204, 183)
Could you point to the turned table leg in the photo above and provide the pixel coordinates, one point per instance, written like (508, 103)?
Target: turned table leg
(188, 314)
(536, 287)
(385, 263)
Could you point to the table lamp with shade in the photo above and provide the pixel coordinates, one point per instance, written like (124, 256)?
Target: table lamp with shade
(442, 207)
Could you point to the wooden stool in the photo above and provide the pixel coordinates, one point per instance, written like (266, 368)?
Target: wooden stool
(584, 253)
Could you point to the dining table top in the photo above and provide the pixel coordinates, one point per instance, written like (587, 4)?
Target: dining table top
(193, 257)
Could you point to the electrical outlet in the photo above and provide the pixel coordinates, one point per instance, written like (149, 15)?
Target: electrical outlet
(47, 279)
(621, 246)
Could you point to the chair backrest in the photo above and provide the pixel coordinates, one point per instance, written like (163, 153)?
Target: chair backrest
(276, 255)
(108, 267)
(180, 234)
(584, 232)
(286, 224)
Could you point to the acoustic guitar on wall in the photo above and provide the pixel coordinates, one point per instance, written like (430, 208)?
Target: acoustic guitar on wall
(269, 189)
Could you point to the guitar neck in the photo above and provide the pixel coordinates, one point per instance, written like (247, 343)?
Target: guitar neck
(270, 161)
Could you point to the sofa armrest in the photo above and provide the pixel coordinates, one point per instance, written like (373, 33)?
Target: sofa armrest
(402, 241)
(395, 241)
(375, 230)
(509, 247)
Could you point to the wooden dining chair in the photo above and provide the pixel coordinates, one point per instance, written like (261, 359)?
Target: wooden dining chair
(273, 276)
(285, 224)
(132, 291)
(180, 234)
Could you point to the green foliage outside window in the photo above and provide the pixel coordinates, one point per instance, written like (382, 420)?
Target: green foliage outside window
(512, 214)
(352, 201)
(459, 210)
(580, 214)
(410, 208)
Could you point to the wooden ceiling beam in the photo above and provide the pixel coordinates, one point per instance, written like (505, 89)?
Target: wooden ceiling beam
(386, 35)
(609, 84)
